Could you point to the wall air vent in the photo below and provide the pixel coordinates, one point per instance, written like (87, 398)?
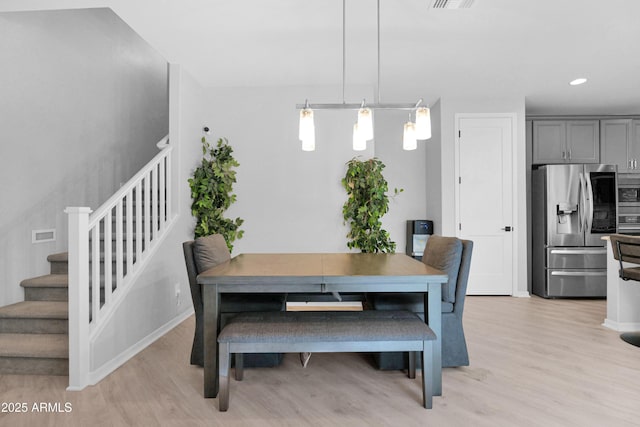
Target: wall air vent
(41, 236)
(451, 4)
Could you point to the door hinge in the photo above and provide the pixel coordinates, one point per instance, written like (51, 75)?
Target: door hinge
(459, 226)
(459, 180)
(459, 134)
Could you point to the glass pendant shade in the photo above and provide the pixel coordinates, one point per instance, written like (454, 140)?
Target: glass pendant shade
(307, 132)
(409, 141)
(365, 123)
(359, 143)
(309, 144)
(423, 123)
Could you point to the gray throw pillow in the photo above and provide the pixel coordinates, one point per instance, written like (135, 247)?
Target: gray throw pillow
(209, 251)
(445, 253)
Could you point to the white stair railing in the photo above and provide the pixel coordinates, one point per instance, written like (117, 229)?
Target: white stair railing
(107, 249)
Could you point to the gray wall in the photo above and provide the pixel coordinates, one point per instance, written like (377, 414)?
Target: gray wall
(83, 102)
(292, 200)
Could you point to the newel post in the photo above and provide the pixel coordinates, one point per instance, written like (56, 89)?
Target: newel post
(78, 297)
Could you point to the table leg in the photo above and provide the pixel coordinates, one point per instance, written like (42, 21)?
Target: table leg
(210, 302)
(433, 317)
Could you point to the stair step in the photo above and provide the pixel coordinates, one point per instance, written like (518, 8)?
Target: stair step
(34, 317)
(51, 287)
(37, 354)
(34, 345)
(59, 263)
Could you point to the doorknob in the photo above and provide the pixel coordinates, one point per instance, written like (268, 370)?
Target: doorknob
(507, 228)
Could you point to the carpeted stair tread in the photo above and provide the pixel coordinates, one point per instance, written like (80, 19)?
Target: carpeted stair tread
(59, 257)
(36, 310)
(47, 281)
(54, 346)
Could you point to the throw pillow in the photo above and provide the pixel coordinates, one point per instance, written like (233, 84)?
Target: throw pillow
(209, 251)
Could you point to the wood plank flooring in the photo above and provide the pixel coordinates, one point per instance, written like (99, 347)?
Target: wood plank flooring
(534, 362)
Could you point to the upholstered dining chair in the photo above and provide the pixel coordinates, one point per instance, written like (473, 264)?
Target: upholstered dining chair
(453, 256)
(201, 255)
(627, 249)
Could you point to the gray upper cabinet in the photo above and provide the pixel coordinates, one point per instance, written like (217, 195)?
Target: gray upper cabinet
(620, 144)
(566, 141)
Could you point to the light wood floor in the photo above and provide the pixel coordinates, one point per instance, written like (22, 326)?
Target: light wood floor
(534, 362)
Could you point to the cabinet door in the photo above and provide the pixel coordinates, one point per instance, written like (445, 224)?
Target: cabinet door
(549, 142)
(583, 141)
(634, 145)
(615, 143)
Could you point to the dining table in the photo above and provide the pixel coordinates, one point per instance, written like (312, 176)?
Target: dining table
(322, 273)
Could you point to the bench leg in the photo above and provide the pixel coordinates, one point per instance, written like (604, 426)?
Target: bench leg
(239, 367)
(412, 364)
(427, 375)
(223, 376)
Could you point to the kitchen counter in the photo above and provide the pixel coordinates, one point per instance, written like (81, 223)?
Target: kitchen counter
(623, 298)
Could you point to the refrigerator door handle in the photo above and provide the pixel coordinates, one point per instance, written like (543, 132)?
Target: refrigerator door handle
(583, 205)
(579, 251)
(579, 273)
(589, 213)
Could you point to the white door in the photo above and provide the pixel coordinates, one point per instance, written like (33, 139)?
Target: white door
(484, 199)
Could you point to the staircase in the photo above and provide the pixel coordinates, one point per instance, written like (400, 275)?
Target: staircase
(33, 333)
(64, 310)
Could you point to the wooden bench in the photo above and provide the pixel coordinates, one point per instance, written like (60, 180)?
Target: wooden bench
(329, 332)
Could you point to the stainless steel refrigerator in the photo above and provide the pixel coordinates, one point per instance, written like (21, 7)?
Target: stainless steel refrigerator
(573, 207)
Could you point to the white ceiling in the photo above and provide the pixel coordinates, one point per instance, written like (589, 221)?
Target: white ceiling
(497, 48)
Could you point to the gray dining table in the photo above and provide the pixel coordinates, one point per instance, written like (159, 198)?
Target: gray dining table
(318, 273)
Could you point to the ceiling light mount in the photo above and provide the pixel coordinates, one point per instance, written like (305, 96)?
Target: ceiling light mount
(578, 81)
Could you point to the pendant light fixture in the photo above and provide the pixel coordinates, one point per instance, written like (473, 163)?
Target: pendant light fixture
(423, 123)
(409, 141)
(359, 141)
(363, 128)
(365, 122)
(307, 133)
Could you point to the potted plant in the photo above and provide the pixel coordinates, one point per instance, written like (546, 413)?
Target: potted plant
(366, 204)
(211, 190)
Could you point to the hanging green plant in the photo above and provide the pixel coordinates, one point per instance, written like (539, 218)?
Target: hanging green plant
(211, 191)
(366, 204)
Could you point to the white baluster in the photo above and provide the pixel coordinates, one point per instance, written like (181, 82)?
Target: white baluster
(138, 221)
(154, 202)
(147, 210)
(119, 239)
(95, 273)
(108, 258)
(163, 199)
(169, 187)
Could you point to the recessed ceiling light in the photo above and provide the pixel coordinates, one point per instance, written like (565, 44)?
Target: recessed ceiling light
(577, 82)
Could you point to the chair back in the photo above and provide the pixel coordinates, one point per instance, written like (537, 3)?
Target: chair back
(463, 275)
(626, 249)
(200, 255)
(192, 274)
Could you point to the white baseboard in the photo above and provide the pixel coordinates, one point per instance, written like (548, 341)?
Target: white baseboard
(101, 373)
(522, 294)
(621, 326)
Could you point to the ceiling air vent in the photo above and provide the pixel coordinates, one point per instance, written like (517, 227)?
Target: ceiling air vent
(451, 4)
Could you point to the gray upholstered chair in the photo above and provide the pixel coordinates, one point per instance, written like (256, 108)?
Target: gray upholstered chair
(452, 256)
(205, 253)
(627, 249)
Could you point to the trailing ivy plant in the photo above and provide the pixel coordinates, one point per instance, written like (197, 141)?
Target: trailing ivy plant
(211, 191)
(366, 204)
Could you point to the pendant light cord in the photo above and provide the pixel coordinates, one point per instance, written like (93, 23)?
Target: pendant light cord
(344, 50)
(378, 30)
